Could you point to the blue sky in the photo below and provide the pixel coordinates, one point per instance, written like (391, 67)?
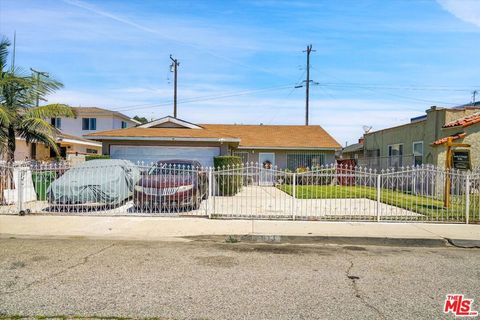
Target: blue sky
(378, 63)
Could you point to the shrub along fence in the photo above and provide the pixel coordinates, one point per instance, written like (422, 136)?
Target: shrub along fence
(234, 190)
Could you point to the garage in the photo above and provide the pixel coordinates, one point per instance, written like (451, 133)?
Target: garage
(149, 154)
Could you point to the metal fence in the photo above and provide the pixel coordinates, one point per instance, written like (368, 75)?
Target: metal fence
(388, 162)
(249, 191)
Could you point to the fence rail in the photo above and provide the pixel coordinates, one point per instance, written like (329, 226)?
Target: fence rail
(336, 193)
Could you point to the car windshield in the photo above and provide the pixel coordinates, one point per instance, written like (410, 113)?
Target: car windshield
(170, 169)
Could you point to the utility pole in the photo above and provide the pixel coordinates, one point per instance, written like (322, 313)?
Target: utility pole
(307, 83)
(174, 66)
(39, 73)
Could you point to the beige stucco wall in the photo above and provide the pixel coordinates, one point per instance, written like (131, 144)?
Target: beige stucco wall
(428, 131)
(224, 147)
(23, 151)
(472, 138)
(406, 135)
(281, 155)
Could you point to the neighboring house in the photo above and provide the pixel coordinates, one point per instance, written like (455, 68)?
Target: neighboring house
(171, 138)
(70, 140)
(92, 119)
(354, 151)
(68, 145)
(420, 141)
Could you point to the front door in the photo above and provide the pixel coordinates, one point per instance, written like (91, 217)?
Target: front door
(266, 161)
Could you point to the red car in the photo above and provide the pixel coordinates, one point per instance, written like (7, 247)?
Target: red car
(171, 185)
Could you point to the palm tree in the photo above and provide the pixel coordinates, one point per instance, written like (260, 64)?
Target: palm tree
(19, 114)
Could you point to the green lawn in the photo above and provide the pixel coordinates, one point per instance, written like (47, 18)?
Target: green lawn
(431, 208)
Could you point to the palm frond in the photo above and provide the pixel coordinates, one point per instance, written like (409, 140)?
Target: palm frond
(5, 116)
(50, 111)
(27, 126)
(4, 44)
(38, 130)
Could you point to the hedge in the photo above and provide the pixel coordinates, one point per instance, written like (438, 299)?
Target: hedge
(229, 182)
(97, 157)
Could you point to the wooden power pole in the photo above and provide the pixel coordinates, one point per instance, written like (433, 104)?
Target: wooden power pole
(307, 83)
(174, 66)
(39, 73)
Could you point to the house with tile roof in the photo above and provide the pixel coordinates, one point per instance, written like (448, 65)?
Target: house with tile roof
(284, 146)
(70, 140)
(422, 141)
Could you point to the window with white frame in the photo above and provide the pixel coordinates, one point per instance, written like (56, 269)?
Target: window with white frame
(89, 124)
(418, 153)
(56, 122)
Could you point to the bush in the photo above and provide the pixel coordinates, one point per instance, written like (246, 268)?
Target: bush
(96, 157)
(229, 181)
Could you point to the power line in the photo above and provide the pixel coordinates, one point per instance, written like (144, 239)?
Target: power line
(375, 86)
(208, 98)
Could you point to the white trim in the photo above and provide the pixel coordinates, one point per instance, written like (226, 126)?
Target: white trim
(290, 148)
(221, 140)
(395, 144)
(269, 153)
(180, 122)
(94, 144)
(135, 121)
(413, 147)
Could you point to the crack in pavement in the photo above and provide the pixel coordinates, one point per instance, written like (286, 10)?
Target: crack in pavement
(357, 291)
(83, 261)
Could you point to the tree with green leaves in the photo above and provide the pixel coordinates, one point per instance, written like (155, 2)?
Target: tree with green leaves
(140, 119)
(19, 114)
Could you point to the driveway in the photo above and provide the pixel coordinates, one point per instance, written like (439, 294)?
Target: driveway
(270, 202)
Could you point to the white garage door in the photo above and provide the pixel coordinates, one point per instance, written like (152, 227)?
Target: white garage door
(149, 154)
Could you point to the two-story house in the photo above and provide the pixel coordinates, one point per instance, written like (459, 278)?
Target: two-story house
(71, 140)
(92, 119)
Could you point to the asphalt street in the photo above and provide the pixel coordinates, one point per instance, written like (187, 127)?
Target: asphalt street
(205, 279)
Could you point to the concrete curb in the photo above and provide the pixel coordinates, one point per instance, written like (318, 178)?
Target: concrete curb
(364, 241)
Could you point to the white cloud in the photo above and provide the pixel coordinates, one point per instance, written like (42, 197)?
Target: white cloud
(465, 10)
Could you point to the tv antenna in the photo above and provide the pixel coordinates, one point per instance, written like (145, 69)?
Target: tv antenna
(367, 129)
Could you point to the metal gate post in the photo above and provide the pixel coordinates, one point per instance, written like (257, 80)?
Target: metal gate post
(294, 195)
(210, 192)
(379, 186)
(467, 198)
(20, 187)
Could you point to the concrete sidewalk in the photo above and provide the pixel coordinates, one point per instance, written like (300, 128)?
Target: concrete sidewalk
(163, 228)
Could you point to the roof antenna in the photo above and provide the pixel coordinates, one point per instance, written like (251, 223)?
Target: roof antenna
(367, 129)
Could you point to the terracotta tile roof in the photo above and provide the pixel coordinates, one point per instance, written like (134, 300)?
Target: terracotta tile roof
(159, 132)
(444, 139)
(277, 135)
(465, 121)
(254, 136)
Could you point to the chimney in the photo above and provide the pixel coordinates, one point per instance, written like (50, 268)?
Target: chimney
(361, 140)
